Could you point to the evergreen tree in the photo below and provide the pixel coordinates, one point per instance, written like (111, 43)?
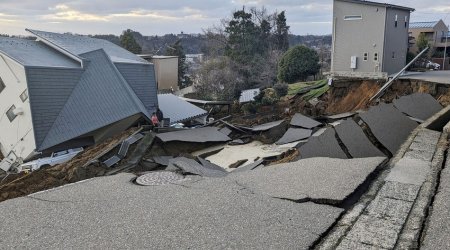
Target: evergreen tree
(176, 49)
(298, 63)
(128, 42)
(281, 33)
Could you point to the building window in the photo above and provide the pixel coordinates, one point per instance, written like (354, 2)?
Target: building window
(24, 95)
(393, 54)
(352, 17)
(375, 57)
(406, 21)
(10, 113)
(2, 85)
(366, 56)
(396, 20)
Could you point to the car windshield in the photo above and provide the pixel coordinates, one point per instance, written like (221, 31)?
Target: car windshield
(60, 153)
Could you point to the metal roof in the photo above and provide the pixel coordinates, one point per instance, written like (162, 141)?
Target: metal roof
(100, 98)
(248, 95)
(78, 44)
(422, 25)
(177, 109)
(33, 53)
(387, 5)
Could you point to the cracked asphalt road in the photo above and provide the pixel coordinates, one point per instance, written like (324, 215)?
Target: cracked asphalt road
(199, 213)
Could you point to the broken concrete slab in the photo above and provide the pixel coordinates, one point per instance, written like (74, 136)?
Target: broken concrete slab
(388, 125)
(294, 134)
(186, 165)
(198, 135)
(248, 167)
(418, 105)
(300, 120)
(322, 179)
(354, 139)
(207, 214)
(324, 145)
(409, 171)
(251, 152)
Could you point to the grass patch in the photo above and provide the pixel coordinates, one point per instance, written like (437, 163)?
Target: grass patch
(295, 88)
(315, 93)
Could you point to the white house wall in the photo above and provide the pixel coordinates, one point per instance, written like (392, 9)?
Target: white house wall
(16, 136)
(356, 37)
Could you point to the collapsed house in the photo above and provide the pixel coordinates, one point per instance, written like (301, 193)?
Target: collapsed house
(63, 91)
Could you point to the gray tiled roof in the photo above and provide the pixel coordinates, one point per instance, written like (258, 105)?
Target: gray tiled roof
(33, 53)
(78, 44)
(177, 109)
(422, 25)
(99, 99)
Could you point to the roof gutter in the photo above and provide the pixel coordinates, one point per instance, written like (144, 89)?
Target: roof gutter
(58, 48)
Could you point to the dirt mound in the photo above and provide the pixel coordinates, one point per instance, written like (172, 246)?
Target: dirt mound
(59, 175)
(354, 96)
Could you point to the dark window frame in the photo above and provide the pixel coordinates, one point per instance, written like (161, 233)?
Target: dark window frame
(2, 85)
(10, 113)
(24, 95)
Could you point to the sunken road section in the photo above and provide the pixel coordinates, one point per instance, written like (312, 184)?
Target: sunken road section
(245, 210)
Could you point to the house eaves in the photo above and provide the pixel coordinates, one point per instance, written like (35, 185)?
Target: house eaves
(386, 5)
(100, 98)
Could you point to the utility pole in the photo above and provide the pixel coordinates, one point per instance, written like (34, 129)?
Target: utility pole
(445, 49)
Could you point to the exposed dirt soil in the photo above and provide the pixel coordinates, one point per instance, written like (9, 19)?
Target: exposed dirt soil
(343, 97)
(58, 175)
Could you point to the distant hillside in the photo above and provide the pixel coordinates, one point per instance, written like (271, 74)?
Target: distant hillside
(195, 43)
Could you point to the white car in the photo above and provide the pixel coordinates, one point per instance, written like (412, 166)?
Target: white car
(54, 159)
(432, 65)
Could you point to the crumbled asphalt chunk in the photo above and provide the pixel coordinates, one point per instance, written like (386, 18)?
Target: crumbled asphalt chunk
(209, 165)
(248, 167)
(418, 105)
(225, 130)
(322, 179)
(300, 120)
(354, 139)
(162, 160)
(388, 125)
(206, 134)
(294, 134)
(265, 126)
(324, 145)
(189, 166)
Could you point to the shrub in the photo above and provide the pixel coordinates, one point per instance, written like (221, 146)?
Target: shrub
(281, 89)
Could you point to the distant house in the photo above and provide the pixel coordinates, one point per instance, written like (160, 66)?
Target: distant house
(435, 32)
(166, 68)
(63, 91)
(369, 39)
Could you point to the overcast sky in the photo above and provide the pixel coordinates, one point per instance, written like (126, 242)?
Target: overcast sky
(157, 17)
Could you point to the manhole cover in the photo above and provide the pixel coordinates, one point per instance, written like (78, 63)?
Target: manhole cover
(159, 178)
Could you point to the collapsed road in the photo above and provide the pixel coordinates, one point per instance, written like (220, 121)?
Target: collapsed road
(345, 194)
